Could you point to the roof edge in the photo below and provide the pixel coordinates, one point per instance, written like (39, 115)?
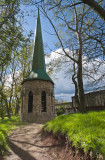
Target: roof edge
(33, 79)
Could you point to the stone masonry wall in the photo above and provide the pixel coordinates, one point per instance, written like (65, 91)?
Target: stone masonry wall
(37, 86)
(93, 99)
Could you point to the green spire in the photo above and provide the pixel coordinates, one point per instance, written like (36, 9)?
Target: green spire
(38, 56)
(38, 64)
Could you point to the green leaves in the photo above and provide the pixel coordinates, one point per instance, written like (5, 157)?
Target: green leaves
(14, 56)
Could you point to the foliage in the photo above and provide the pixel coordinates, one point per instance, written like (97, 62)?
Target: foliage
(86, 131)
(15, 51)
(10, 29)
(60, 110)
(6, 126)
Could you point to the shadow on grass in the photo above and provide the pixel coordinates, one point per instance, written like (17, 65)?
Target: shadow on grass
(24, 155)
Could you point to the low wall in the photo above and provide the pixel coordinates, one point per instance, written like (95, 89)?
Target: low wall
(68, 107)
(93, 100)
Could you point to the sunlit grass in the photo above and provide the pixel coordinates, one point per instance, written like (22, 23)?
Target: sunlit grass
(6, 126)
(84, 130)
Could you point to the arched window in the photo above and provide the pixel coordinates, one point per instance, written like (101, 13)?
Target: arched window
(30, 101)
(43, 100)
(52, 99)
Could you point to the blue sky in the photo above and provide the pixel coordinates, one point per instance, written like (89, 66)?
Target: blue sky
(63, 91)
(64, 88)
(29, 23)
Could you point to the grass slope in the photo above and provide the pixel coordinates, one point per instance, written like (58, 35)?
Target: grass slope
(86, 131)
(6, 126)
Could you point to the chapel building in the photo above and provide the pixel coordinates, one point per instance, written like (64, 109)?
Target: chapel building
(38, 87)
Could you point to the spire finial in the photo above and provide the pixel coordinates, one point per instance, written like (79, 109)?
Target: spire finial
(38, 16)
(38, 10)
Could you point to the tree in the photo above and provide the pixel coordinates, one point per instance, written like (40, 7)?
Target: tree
(12, 42)
(96, 7)
(8, 28)
(77, 29)
(77, 34)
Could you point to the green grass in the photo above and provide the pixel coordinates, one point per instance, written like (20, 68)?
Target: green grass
(86, 131)
(6, 126)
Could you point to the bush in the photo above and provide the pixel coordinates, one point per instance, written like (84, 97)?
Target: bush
(3, 144)
(60, 111)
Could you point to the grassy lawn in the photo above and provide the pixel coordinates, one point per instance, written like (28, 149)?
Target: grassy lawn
(6, 126)
(85, 131)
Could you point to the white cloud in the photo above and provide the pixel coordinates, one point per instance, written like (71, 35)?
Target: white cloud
(8, 79)
(64, 87)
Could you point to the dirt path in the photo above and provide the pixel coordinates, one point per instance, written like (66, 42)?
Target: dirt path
(26, 143)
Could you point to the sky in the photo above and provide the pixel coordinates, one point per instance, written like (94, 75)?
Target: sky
(29, 23)
(63, 91)
(64, 87)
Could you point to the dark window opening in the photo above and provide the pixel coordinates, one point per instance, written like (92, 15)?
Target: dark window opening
(52, 101)
(22, 104)
(30, 101)
(43, 99)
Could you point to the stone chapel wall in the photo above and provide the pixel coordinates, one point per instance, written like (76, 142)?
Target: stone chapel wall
(37, 86)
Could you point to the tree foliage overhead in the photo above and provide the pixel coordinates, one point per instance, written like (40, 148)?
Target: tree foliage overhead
(9, 29)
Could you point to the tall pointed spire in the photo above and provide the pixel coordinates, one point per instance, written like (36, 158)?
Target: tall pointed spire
(38, 70)
(38, 56)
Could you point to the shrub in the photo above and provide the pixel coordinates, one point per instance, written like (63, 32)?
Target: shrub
(3, 144)
(60, 111)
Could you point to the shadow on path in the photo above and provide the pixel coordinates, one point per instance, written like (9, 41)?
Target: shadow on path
(40, 146)
(24, 155)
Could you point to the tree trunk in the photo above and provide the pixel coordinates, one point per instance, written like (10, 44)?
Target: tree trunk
(80, 79)
(76, 90)
(2, 110)
(2, 113)
(8, 112)
(80, 90)
(9, 108)
(17, 107)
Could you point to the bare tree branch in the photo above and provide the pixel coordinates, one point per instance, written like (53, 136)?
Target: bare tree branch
(59, 37)
(96, 7)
